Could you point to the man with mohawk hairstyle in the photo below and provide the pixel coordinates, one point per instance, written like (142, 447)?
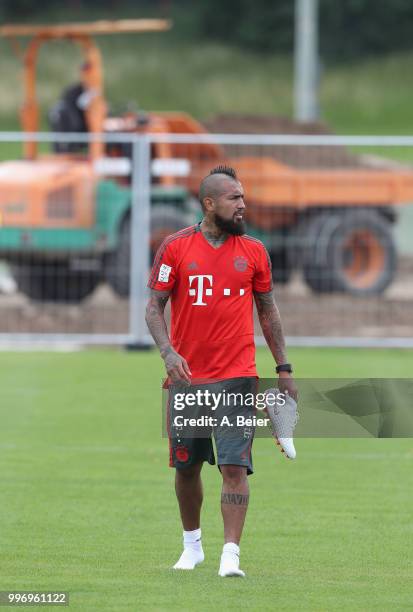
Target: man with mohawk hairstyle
(212, 271)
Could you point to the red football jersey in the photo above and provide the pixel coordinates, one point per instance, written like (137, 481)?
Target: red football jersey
(211, 293)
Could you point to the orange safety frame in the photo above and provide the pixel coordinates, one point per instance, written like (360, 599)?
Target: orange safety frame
(79, 33)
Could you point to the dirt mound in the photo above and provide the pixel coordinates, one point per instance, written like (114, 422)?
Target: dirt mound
(296, 156)
(265, 124)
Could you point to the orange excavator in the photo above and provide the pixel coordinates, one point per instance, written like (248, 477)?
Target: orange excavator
(65, 228)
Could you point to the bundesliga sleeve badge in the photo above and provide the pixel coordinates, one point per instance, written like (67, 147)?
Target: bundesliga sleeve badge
(164, 272)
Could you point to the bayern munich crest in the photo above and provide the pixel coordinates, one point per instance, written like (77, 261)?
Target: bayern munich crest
(240, 263)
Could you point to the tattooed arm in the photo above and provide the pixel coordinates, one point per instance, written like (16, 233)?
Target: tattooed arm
(175, 365)
(270, 321)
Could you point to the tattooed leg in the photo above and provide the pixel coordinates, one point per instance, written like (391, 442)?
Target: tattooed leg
(234, 501)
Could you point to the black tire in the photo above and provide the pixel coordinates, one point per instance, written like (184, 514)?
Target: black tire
(54, 282)
(165, 220)
(363, 254)
(281, 269)
(117, 263)
(314, 256)
(349, 251)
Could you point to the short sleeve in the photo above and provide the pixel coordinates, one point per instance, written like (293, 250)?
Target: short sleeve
(262, 281)
(163, 274)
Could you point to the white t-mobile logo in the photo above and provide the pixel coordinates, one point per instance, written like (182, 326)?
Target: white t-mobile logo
(199, 291)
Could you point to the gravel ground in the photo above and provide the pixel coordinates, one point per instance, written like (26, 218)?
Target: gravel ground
(303, 312)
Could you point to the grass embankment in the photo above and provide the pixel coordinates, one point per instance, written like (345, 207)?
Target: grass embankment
(164, 72)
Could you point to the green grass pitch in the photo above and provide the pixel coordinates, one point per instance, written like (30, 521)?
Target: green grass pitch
(87, 501)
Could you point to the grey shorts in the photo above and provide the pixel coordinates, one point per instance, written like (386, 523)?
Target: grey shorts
(227, 419)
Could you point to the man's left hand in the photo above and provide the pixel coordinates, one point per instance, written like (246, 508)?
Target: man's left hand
(286, 384)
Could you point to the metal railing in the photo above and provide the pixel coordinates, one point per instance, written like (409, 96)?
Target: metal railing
(317, 315)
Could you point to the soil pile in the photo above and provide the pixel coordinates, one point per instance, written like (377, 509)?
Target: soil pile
(296, 156)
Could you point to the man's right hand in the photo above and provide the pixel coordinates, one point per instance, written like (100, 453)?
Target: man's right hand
(176, 366)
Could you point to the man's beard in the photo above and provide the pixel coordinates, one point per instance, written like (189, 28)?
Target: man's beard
(235, 228)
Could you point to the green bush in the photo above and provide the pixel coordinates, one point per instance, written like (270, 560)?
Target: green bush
(348, 28)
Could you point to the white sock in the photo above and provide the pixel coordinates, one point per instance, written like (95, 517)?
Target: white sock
(231, 547)
(193, 553)
(192, 540)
